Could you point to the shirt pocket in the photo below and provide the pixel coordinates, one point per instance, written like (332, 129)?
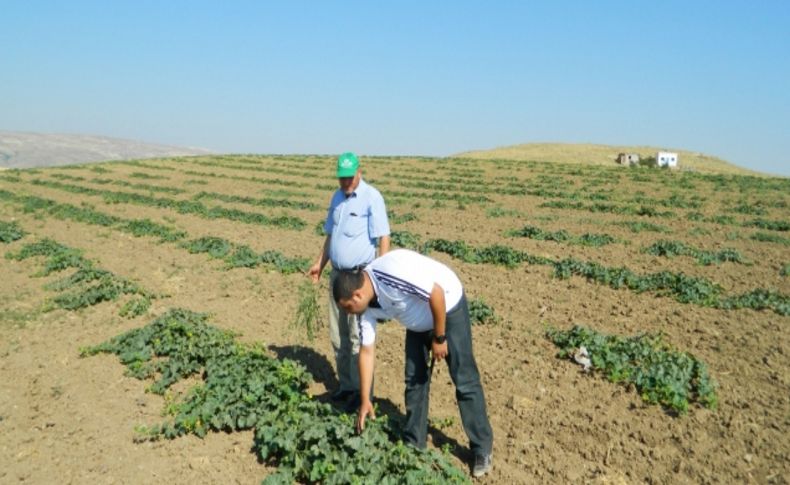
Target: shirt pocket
(355, 224)
(336, 213)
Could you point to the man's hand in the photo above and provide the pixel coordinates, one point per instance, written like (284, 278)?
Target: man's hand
(365, 409)
(439, 350)
(314, 272)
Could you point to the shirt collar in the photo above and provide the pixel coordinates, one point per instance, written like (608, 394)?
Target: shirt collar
(360, 186)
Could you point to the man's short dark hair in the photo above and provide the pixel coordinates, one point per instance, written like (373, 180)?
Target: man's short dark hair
(346, 283)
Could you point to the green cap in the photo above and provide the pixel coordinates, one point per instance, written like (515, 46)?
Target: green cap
(347, 165)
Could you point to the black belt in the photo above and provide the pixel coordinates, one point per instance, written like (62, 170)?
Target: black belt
(354, 269)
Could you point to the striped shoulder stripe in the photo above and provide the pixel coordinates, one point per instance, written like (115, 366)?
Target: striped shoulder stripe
(400, 284)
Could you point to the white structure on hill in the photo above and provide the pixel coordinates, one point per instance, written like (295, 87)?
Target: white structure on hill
(667, 159)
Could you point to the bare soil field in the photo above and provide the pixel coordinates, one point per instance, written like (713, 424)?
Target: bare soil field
(74, 419)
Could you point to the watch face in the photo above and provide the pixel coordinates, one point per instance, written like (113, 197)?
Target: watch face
(440, 339)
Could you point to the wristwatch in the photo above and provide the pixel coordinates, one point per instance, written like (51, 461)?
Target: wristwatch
(440, 339)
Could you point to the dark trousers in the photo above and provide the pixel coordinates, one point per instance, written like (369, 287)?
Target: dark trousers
(463, 372)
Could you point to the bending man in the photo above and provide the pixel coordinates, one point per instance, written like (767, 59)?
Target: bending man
(427, 298)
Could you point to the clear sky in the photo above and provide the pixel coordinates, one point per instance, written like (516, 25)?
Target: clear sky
(400, 78)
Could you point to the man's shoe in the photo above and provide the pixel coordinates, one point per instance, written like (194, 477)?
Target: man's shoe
(483, 465)
(341, 394)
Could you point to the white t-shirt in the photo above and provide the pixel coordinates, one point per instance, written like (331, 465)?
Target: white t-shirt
(403, 281)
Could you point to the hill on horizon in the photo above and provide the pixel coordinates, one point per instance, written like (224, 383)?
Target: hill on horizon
(593, 154)
(28, 150)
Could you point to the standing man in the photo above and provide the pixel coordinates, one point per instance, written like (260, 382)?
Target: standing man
(356, 220)
(428, 299)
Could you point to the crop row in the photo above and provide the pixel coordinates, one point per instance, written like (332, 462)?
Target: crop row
(257, 180)
(243, 388)
(532, 232)
(136, 227)
(669, 249)
(660, 374)
(88, 285)
(258, 202)
(121, 183)
(608, 208)
(250, 168)
(242, 256)
(473, 186)
(782, 226)
(639, 226)
(265, 202)
(140, 164)
(235, 255)
(191, 207)
(683, 288)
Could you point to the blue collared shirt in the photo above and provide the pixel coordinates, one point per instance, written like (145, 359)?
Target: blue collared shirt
(354, 224)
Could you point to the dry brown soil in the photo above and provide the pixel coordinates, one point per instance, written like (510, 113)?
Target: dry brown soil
(68, 419)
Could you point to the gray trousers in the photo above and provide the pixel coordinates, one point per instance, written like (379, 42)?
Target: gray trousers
(344, 335)
(463, 372)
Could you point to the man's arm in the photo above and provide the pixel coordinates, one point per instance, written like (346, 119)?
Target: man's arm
(384, 245)
(315, 270)
(439, 312)
(366, 364)
(379, 223)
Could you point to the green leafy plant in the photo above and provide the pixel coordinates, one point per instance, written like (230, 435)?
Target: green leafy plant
(135, 307)
(395, 218)
(405, 239)
(480, 313)
(107, 288)
(783, 226)
(640, 226)
(146, 227)
(501, 212)
(216, 247)
(768, 237)
(661, 374)
(242, 257)
(532, 232)
(609, 208)
(10, 232)
(759, 299)
(284, 264)
(143, 175)
(676, 248)
(58, 256)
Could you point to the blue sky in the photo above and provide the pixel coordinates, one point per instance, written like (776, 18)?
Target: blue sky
(398, 78)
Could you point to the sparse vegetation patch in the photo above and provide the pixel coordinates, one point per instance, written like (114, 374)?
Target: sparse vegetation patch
(660, 374)
(10, 232)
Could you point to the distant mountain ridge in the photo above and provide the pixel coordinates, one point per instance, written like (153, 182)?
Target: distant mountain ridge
(593, 154)
(28, 150)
